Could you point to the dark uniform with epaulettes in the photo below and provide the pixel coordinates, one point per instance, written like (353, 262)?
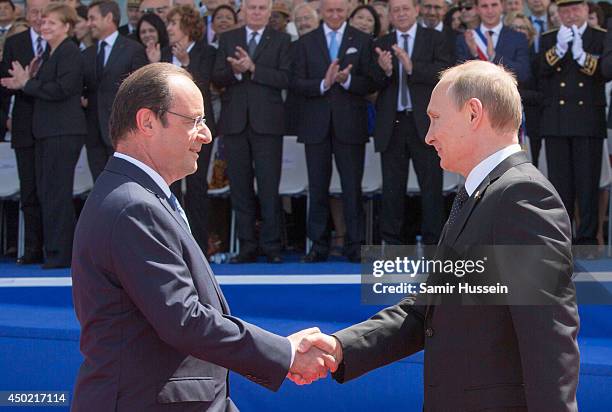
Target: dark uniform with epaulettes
(574, 124)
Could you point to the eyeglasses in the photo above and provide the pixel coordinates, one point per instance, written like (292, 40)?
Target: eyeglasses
(158, 10)
(198, 122)
(519, 28)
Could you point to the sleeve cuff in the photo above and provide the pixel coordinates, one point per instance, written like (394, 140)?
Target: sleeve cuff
(238, 76)
(347, 83)
(322, 87)
(292, 353)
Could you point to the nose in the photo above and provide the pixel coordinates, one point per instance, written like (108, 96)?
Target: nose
(429, 137)
(204, 135)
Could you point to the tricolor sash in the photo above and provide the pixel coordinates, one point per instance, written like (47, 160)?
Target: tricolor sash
(481, 44)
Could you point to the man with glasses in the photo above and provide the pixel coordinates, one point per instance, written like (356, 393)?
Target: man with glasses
(432, 16)
(253, 66)
(23, 48)
(134, 14)
(159, 7)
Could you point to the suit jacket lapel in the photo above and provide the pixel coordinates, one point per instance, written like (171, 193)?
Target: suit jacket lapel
(114, 54)
(587, 38)
(418, 43)
(263, 43)
(501, 41)
(322, 42)
(347, 39)
(453, 232)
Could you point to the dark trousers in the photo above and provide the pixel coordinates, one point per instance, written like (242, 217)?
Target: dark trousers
(405, 144)
(250, 154)
(349, 161)
(195, 201)
(32, 218)
(56, 159)
(574, 168)
(98, 152)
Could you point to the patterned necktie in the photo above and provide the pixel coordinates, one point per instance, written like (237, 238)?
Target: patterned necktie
(177, 206)
(333, 45)
(403, 80)
(39, 47)
(458, 203)
(100, 60)
(252, 44)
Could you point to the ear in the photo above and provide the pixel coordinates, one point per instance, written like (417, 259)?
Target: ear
(475, 112)
(146, 121)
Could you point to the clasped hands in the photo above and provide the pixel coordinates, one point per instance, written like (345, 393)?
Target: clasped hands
(565, 35)
(241, 62)
(316, 354)
(385, 59)
(335, 75)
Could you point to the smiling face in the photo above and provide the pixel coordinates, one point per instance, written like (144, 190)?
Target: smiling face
(53, 30)
(176, 35)
(334, 13)
(101, 26)
(148, 34)
(403, 14)
(364, 21)
(490, 12)
(574, 14)
(224, 21)
(175, 146)
(34, 13)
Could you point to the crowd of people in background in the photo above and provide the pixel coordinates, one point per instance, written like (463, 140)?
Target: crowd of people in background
(332, 72)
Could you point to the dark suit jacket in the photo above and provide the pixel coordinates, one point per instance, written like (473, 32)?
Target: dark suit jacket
(201, 62)
(156, 331)
(606, 62)
(495, 357)
(56, 90)
(256, 99)
(19, 48)
(429, 57)
(574, 97)
(532, 97)
(344, 110)
(126, 56)
(512, 51)
(124, 30)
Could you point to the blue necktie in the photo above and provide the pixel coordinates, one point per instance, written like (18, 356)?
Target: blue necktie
(177, 206)
(333, 45)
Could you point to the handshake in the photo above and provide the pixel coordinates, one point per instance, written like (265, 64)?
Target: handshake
(315, 355)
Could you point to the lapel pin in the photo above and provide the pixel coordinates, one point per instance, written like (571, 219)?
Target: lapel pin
(477, 195)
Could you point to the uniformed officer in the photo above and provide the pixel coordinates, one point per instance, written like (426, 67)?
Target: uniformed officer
(573, 119)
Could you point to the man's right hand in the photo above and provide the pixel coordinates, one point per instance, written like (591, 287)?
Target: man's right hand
(564, 36)
(319, 343)
(332, 72)
(385, 61)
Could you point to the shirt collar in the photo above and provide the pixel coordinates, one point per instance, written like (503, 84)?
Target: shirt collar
(482, 169)
(582, 28)
(152, 173)
(328, 30)
(411, 32)
(34, 36)
(496, 30)
(110, 39)
(259, 32)
(439, 26)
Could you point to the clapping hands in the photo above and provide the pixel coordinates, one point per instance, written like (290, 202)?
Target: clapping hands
(241, 62)
(316, 354)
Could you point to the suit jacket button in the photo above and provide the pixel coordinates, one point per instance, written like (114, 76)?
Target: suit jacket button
(561, 102)
(562, 84)
(580, 84)
(580, 103)
(429, 332)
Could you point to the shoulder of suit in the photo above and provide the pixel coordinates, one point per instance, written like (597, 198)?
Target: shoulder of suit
(24, 36)
(599, 29)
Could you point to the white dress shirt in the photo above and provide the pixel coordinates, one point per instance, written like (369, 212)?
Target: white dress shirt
(400, 42)
(34, 37)
(482, 169)
(496, 31)
(110, 42)
(439, 27)
(339, 34)
(152, 173)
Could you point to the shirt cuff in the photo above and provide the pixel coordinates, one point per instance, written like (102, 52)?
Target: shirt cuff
(238, 76)
(293, 349)
(559, 52)
(347, 83)
(322, 88)
(582, 59)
